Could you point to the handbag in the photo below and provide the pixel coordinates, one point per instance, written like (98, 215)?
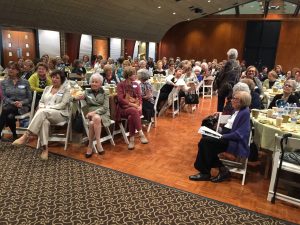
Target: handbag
(191, 99)
(292, 157)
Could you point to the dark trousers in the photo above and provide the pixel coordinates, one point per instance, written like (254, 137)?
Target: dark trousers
(148, 110)
(221, 102)
(208, 150)
(8, 118)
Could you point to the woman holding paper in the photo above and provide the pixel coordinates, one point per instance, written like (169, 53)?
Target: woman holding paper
(234, 140)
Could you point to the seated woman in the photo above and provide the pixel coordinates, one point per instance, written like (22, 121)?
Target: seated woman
(130, 105)
(168, 87)
(16, 98)
(28, 69)
(53, 109)
(39, 80)
(98, 110)
(288, 95)
(252, 74)
(272, 77)
(234, 140)
(255, 98)
(159, 69)
(108, 75)
(147, 96)
(78, 69)
(228, 109)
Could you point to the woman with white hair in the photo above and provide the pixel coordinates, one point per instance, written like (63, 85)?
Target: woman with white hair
(288, 95)
(97, 111)
(147, 96)
(227, 78)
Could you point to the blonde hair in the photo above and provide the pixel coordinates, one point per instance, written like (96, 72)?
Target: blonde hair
(244, 97)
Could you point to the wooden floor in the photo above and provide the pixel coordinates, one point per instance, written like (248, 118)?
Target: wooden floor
(168, 159)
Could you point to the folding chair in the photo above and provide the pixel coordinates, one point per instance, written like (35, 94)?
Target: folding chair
(61, 136)
(240, 165)
(288, 144)
(208, 86)
(108, 136)
(29, 115)
(154, 119)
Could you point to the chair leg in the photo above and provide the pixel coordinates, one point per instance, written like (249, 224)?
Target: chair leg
(124, 133)
(38, 144)
(149, 127)
(111, 137)
(244, 178)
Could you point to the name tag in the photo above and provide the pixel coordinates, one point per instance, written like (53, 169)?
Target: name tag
(21, 86)
(60, 94)
(134, 86)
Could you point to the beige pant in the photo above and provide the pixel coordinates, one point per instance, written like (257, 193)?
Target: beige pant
(41, 122)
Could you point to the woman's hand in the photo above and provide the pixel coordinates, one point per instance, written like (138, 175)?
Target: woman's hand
(18, 104)
(90, 115)
(79, 97)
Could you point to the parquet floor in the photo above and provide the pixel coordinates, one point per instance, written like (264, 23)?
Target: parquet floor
(168, 159)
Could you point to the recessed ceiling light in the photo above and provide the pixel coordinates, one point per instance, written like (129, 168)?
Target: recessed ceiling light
(208, 1)
(219, 9)
(188, 19)
(174, 13)
(159, 7)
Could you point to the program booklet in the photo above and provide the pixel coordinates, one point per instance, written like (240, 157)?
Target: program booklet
(209, 132)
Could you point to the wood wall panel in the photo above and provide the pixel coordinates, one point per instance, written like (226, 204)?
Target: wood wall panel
(72, 45)
(201, 39)
(100, 46)
(129, 48)
(288, 53)
(18, 39)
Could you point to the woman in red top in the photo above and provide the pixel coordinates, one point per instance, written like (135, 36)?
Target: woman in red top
(130, 104)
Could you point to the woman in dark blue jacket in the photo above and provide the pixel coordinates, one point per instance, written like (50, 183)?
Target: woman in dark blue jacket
(234, 140)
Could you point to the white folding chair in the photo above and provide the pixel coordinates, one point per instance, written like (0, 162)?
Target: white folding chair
(154, 119)
(108, 136)
(292, 144)
(175, 103)
(29, 115)
(210, 80)
(240, 165)
(61, 136)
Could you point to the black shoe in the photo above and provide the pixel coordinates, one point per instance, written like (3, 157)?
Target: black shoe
(88, 155)
(200, 177)
(222, 176)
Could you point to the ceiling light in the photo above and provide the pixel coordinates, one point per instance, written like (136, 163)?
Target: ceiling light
(159, 7)
(208, 1)
(219, 9)
(188, 19)
(174, 13)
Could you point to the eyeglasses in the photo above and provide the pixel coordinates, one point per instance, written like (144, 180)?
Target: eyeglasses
(235, 98)
(251, 71)
(288, 85)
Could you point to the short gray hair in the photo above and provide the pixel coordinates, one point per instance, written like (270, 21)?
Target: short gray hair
(293, 83)
(205, 65)
(240, 87)
(143, 74)
(96, 76)
(232, 53)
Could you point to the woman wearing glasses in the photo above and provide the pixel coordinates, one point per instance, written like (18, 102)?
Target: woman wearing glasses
(288, 95)
(234, 140)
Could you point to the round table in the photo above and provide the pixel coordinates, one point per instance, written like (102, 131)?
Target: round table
(265, 131)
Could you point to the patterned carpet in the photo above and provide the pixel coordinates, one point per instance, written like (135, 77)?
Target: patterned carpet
(67, 191)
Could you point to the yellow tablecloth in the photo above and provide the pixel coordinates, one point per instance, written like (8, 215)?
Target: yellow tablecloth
(265, 133)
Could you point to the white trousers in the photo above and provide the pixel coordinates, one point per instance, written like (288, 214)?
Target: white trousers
(41, 122)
